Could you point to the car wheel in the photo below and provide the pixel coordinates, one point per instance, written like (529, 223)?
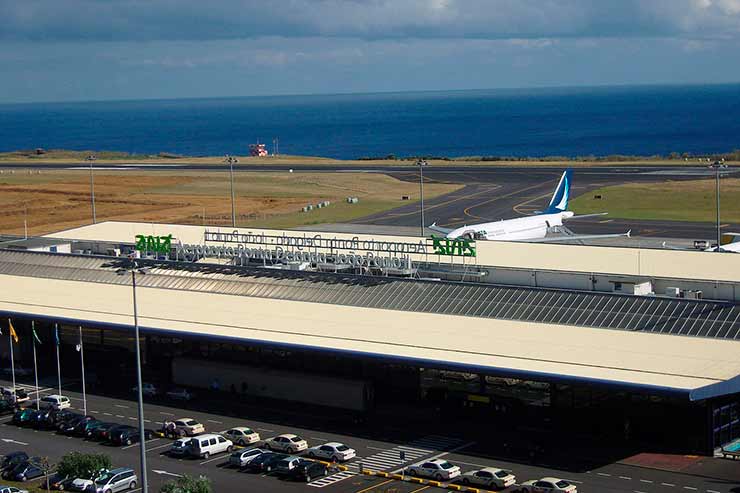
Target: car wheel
(132, 485)
(438, 477)
(335, 459)
(229, 448)
(60, 487)
(206, 455)
(308, 478)
(291, 450)
(243, 442)
(129, 441)
(466, 481)
(268, 447)
(312, 455)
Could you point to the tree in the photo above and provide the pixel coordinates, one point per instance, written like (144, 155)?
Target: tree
(187, 484)
(78, 465)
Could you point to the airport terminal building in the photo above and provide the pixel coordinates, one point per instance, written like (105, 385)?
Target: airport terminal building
(622, 344)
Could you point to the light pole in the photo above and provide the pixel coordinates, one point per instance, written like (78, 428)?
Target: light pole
(92, 158)
(133, 268)
(233, 205)
(718, 165)
(421, 163)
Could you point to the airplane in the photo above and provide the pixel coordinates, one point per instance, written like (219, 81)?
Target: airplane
(730, 243)
(531, 228)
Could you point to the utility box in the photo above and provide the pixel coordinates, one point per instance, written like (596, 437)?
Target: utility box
(673, 292)
(637, 287)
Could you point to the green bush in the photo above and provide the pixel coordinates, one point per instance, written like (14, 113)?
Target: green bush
(78, 465)
(187, 484)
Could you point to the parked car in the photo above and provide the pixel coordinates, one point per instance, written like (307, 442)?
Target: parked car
(180, 394)
(129, 435)
(180, 447)
(189, 427)
(489, 477)
(284, 466)
(29, 469)
(308, 470)
(13, 459)
(21, 394)
(71, 426)
(121, 479)
(91, 427)
(439, 469)
(57, 482)
(22, 417)
(41, 418)
(67, 418)
(241, 435)
(11, 489)
(6, 408)
(265, 462)
(204, 446)
(102, 432)
(547, 485)
(241, 458)
(55, 401)
(332, 451)
(286, 443)
(54, 417)
(147, 389)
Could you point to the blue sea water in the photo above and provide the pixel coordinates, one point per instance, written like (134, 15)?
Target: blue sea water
(533, 122)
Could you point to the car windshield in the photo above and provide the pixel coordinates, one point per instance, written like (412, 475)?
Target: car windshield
(342, 448)
(296, 439)
(104, 478)
(192, 422)
(446, 465)
(562, 484)
(502, 474)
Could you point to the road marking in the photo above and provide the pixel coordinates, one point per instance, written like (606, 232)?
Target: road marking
(646, 481)
(166, 414)
(108, 414)
(420, 489)
(159, 446)
(136, 444)
(624, 477)
(159, 471)
(319, 438)
(690, 488)
(132, 418)
(667, 484)
(10, 440)
(376, 486)
(120, 416)
(121, 406)
(220, 457)
(604, 474)
(95, 412)
(266, 429)
(214, 421)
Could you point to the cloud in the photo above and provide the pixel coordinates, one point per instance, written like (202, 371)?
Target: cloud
(123, 20)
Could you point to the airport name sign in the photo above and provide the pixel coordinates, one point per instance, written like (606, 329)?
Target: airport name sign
(461, 247)
(154, 244)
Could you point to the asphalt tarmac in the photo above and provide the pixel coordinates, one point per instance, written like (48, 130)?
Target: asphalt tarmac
(379, 450)
(490, 193)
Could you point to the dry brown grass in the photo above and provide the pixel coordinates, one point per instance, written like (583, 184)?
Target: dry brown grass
(55, 200)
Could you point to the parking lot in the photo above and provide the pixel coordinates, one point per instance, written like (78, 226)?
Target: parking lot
(384, 452)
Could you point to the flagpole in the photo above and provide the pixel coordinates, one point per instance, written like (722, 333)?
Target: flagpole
(59, 366)
(12, 361)
(35, 368)
(82, 362)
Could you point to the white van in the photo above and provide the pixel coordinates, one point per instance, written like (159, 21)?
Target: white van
(55, 401)
(206, 445)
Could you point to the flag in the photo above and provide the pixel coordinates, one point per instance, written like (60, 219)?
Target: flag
(56, 334)
(12, 332)
(35, 335)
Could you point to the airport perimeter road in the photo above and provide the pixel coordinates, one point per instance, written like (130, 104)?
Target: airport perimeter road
(378, 453)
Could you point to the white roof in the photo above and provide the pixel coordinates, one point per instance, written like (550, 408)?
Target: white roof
(542, 256)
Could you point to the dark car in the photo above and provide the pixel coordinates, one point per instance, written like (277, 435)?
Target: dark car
(22, 417)
(41, 418)
(102, 432)
(69, 426)
(82, 426)
(13, 459)
(115, 431)
(6, 408)
(307, 470)
(61, 421)
(58, 482)
(266, 462)
(92, 427)
(129, 435)
(29, 469)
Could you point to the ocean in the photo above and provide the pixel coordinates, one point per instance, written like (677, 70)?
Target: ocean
(644, 120)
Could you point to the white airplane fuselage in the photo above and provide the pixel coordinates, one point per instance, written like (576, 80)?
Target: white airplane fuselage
(523, 228)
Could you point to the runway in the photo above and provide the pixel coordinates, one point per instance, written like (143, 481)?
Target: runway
(490, 192)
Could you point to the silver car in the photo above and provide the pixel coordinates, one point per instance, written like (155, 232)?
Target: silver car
(241, 458)
(121, 479)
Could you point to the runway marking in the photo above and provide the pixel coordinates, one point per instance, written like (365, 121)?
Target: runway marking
(428, 208)
(466, 211)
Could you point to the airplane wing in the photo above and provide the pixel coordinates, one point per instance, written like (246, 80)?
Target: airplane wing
(568, 235)
(439, 229)
(587, 216)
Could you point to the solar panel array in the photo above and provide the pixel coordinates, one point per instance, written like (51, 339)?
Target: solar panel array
(714, 319)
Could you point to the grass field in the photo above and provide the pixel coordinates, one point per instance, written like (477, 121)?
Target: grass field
(119, 158)
(54, 200)
(679, 201)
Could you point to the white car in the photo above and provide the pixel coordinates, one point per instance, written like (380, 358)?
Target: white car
(241, 435)
(332, 451)
(439, 469)
(547, 485)
(55, 401)
(180, 394)
(147, 389)
(189, 426)
(11, 489)
(21, 395)
(287, 443)
(81, 484)
(204, 446)
(490, 477)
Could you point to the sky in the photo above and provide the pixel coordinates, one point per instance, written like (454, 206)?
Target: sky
(72, 50)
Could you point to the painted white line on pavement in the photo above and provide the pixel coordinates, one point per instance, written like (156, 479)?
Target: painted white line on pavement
(667, 484)
(166, 414)
(158, 447)
(108, 414)
(319, 438)
(214, 421)
(266, 429)
(132, 418)
(136, 444)
(220, 457)
(121, 406)
(438, 456)
(690, 488)
(624, 477)
(646, 481)
(604, 474)
(120, 416)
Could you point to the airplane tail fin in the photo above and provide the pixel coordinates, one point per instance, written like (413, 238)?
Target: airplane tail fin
(559, 200)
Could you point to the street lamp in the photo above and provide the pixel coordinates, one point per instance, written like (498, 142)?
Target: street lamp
(92, 158)
(231, 161)
(133, 268)
(421, 163)
(717, 166)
